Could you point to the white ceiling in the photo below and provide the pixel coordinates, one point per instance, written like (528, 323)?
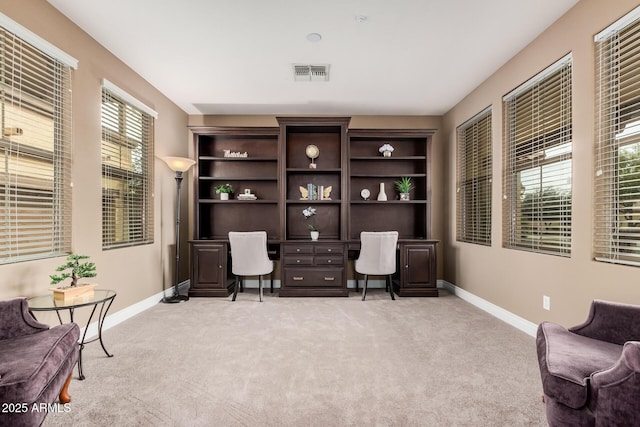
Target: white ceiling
(409, 57)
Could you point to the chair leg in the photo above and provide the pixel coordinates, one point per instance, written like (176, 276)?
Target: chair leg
(242, 284)
(235, 288)
(364, 288)
(271, 281)
(390, 285)
(260, 287)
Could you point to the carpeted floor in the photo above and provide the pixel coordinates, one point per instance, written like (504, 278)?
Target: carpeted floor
(309, 362)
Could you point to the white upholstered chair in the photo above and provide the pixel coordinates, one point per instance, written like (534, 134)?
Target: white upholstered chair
(249, 257)
(377, 257)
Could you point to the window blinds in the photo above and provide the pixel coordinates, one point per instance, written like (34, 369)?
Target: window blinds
(537, 163)
(473, 223)
(617, 174)
(127, 153)
(35, 150)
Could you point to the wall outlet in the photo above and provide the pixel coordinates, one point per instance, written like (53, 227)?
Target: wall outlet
(546, 302)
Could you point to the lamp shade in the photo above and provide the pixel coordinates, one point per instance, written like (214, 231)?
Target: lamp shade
(179, 164)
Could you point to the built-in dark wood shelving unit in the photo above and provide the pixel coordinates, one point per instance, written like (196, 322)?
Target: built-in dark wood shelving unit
(277, 166)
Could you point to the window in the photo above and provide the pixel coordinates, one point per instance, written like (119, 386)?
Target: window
(474, 180)
(617, 175)
(35, 146)
(127, 154)
(537, 163)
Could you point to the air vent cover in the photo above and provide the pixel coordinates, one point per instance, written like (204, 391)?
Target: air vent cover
(311, 73)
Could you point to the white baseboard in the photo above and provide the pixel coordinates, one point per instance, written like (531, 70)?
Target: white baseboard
(506, 316)
(128, 312)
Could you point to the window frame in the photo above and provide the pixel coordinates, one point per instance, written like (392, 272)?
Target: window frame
(474, 189)
(537, 133)
(126, 220)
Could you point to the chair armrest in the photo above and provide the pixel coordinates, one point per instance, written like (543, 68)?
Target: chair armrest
(615, 390)
(613, 322)
(16, 320)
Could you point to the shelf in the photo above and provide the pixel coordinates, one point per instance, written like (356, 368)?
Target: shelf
(230, 178)
(239, 159)
(235, 201)
(387, 202)
(388, 175)
(305, 202)
(303, 170)
(386, 159)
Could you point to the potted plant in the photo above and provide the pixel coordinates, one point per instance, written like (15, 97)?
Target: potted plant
(75, 270)
(224, 190)
(404, 186)
(308, 213)
(386, 150)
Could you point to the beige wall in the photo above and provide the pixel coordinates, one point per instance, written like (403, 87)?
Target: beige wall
(517, 280)
(138, 272)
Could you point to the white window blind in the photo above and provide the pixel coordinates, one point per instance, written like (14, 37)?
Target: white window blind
(127, 173)
(35, 150)
(474, 180)
(617, 174)
(537, 163)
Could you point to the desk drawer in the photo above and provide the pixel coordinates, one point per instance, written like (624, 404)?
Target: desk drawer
(298, 249)
(329, 260)
(317, 277)
(328, 249)
(298, 260)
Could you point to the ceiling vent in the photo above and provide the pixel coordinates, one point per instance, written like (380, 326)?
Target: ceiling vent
(310, 73)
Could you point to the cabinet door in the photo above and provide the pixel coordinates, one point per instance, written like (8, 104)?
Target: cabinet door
(209, 270)
(418, 270)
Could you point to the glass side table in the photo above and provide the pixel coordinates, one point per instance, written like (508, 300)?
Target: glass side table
(100, 297)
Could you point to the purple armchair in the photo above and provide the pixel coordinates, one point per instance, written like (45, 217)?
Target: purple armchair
(35, 364)
(591, 372)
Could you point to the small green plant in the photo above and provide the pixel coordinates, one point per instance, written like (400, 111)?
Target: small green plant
(404, 185)
(224, 188)
(78, 270)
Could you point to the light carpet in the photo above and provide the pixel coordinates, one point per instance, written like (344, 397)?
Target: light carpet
(309, 362)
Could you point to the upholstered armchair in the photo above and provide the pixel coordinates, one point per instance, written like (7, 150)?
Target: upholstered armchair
(591, 372)
(36, 363)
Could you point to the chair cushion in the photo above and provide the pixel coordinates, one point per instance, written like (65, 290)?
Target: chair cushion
(567, 360)
(29, 363)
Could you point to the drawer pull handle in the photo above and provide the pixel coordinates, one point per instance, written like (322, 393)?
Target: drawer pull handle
(329, 249)
(297, 260)
(298, 250)
(298, 277)
(329, 279)
(329, 261)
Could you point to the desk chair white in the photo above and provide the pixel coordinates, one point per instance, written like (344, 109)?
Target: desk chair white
(249, 257)
(377, 257)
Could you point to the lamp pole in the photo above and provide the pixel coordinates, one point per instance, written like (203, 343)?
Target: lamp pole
(179, 165)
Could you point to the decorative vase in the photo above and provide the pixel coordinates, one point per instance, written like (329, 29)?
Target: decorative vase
(404, 196)
(386, 153)
(382, 196)
(315, 235)
(224, 196)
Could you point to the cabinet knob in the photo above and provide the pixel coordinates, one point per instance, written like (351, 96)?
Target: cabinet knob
(219, 266)
(297, 260)
(329, 250)
(406, 266)
(298, 250)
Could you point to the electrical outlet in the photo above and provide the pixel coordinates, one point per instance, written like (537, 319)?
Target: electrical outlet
(546, 302)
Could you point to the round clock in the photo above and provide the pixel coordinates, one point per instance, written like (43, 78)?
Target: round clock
(365, 193)
(312, 151)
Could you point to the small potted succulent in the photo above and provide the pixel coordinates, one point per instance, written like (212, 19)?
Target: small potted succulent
(224, 190)
(404, 186)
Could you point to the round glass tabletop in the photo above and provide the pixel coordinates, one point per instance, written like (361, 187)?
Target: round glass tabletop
(48, 302)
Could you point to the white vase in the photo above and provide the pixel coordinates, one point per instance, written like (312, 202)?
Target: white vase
(386, 153)
(382, 196)
(315, 235)
(224, 196)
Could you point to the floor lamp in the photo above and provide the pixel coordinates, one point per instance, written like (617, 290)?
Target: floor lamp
(180, 165)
